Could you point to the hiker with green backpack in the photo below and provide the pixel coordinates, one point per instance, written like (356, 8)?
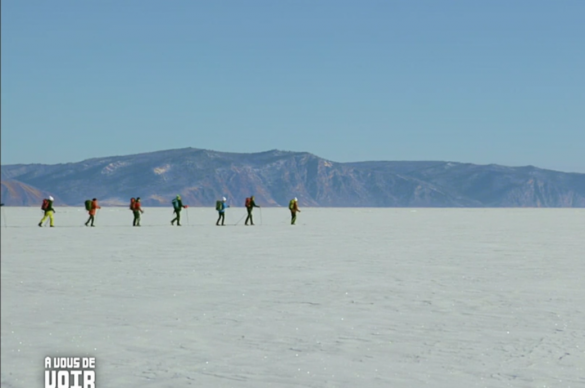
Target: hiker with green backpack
(220, 206)
(91, 206)
(177, 206)
(293, 206)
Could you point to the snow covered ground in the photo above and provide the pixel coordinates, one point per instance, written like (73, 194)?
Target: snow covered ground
(347, 298)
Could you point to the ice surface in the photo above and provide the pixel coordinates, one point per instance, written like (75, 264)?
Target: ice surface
(347, 298)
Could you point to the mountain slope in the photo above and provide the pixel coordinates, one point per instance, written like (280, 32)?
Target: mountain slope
(15, 193)
(202, 176)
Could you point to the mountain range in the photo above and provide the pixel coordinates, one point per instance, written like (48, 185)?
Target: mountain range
(274, 177)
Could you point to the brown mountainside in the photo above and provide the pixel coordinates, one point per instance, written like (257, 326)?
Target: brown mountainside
(15, 193)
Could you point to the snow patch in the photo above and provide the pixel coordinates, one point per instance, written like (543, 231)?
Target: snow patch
(162, 169)
(112, 167)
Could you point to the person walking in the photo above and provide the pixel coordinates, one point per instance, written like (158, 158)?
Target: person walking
(136, 210)
(250, 205)
(294, 208)
(177, 206)
(92, 210)
(47, 207)
(220, 206)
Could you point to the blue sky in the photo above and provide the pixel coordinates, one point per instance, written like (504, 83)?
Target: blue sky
(468, 81)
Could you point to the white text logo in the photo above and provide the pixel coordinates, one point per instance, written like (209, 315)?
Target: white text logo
(69, 372)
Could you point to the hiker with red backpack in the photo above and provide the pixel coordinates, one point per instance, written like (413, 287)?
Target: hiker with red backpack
(91, 207)
(47, 207)
(250, 205)
(136, 208)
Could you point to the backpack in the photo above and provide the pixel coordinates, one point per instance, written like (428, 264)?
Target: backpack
(291, 204)
(248, 202)
(176, 204)
(88, 204)
(132, 200)
(218, 205)
(45, 204)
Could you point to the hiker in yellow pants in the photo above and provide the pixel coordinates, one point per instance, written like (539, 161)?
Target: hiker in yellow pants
(49, 211)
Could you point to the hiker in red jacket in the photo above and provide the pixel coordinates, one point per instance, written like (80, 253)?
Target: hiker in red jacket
(92, 211)
(136, 210)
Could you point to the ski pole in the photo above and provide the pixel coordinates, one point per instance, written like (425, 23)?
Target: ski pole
(260, 215)
(187, 213)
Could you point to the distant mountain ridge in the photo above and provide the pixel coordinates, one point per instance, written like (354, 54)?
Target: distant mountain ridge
(202, 176)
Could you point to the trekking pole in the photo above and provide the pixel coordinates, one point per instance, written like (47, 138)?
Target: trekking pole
(187, 213)
(240, 219)
(4, 217)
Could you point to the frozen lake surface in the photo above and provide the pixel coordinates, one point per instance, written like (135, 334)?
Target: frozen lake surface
(347, 298)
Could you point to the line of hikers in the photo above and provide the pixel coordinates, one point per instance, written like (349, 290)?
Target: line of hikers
(91, 206)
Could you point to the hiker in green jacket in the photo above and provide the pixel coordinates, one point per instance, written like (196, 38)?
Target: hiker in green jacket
(177, 206)
(47, 207)
(250, 205)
